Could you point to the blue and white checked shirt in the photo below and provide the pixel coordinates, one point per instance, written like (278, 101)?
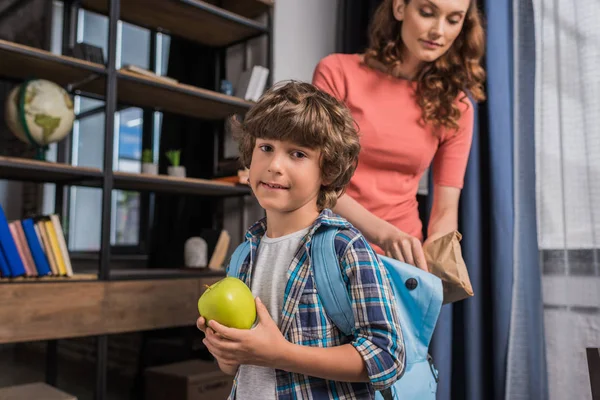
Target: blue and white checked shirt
(377, 337)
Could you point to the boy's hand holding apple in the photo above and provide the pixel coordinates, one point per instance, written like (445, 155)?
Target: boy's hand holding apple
(231, 310)
(261, 345)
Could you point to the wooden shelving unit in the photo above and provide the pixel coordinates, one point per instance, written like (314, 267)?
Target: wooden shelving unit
(169, 184)
(108, 300)
(22, 62)
(19, 61)
(177, 98)
(195, 20)
(118, 275)
(58, 310)
(14, 168)
(248, 8)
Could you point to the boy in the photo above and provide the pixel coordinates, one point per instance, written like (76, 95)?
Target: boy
(301, 147)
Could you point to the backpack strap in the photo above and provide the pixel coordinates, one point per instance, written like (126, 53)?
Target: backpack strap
(329, 281)
(237, 259)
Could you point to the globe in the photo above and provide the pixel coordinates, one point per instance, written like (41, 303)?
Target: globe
(39, 112)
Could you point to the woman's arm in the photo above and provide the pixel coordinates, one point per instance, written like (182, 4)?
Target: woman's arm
(444, 212)
(370, 225)
(393, 241)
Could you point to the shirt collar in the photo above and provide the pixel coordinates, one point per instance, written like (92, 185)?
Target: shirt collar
(326, 218)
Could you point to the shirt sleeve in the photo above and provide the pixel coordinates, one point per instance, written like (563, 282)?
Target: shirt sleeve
(450, 162)
(328, 76)
(378, 336)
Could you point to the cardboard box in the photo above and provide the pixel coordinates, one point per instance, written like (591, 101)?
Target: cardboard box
(188, 380)
(37, 390)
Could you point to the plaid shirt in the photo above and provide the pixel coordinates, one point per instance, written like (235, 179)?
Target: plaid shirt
(378, 337)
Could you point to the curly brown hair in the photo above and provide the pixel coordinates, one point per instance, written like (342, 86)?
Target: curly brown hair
(439, 83)
(301, 113)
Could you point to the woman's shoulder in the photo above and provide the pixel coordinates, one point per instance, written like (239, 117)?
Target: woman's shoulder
(465, 120)
(339, 61)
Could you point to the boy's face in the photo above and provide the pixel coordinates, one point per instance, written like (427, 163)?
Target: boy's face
(285, 177)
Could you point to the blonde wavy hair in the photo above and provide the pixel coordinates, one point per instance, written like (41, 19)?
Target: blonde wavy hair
(439, 83)
(301, 113)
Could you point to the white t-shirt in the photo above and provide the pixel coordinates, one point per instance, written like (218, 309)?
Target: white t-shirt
(269, 278)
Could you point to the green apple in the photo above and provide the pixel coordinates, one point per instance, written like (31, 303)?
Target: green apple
(229, 302)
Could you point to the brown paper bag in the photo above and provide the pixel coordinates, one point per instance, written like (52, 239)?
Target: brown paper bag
(444, 258)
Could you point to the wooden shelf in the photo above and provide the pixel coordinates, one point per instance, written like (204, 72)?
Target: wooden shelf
(14, 168)
(169, 184)
(163, 273)
(119, 275)
(195, 20)
(85, 277)
(247, 8)
(23, 62)
(178, 98)
(21, 169)
(60, 310)
(19, 61)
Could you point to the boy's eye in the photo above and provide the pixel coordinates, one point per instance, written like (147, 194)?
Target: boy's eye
(298, 154)
(265, 147)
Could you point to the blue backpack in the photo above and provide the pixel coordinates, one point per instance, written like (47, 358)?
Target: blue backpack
(418, 299)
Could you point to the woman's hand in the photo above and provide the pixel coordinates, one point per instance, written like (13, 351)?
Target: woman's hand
(403, 247)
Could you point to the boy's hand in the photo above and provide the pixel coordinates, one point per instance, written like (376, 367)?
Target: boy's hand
(228, 368)
(201, 324)
(261, 345)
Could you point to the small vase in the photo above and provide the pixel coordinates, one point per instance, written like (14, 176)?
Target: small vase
(178, 171)
(150, 168)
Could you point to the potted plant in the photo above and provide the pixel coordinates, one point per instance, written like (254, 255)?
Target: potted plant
(174, 157)
(148, 166)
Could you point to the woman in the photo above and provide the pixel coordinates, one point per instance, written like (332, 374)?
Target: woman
(407, 95)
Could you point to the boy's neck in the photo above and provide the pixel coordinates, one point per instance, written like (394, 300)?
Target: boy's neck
(281, 224)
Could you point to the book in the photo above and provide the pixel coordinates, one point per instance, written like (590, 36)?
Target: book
(37, 252)
(45, 241)
(62, 243)
(9, 249)
(60, 262)
(217, 259)
(252, 82)
(149, 74)
(23, 253)
(26, 249)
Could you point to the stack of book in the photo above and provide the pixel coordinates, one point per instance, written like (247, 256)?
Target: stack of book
(252, 83)
(33, 247)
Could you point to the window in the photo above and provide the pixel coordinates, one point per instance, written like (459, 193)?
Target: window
(87, 144)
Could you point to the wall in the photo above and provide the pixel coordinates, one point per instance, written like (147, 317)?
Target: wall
(305, 32)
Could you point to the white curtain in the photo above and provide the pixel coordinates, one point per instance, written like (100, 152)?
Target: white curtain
(568, 187)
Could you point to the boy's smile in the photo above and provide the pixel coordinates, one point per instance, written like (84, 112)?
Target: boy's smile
(273, 186)
(286, 179)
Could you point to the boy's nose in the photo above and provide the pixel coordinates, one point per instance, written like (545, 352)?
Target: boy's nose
(275, 165)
